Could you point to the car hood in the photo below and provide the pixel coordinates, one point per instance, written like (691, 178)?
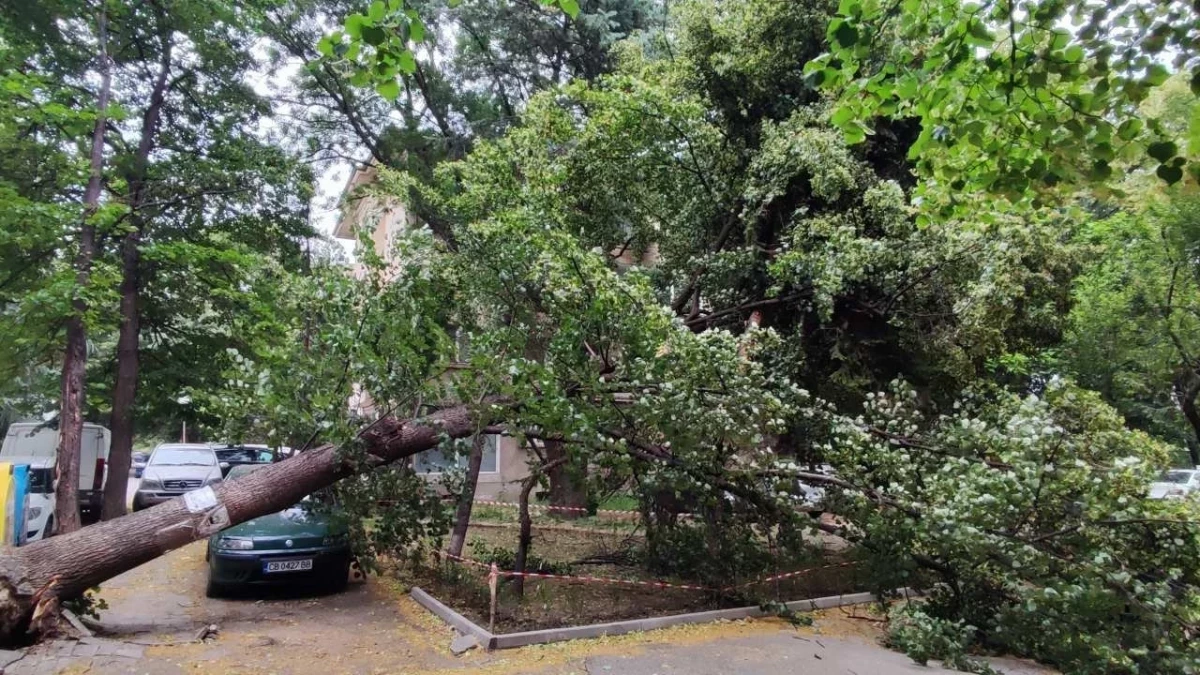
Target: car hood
(295, 523)
(182, 472)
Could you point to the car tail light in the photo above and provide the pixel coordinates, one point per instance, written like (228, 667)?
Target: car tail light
(98, 479)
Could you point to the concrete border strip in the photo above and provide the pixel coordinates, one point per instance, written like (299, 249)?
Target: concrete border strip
(460, 623)
(534, 637)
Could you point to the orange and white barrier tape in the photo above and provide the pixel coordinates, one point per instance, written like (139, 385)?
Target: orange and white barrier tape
(547, 507)
(494, 571)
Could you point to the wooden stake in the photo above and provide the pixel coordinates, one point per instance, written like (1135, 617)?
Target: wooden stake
(493, 582)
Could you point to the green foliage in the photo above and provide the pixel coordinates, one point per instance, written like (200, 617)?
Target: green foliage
(377, 46)
(1133, 326)
(1009, 99)
(1032, 511)
(89, 604)
(505, 559)
(923, 637)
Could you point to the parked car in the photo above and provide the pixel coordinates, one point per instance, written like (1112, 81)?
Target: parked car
(39, 504)
(1176, 484)
(230, 456)
(36, 444)
(304, 544)
(139, 463)
(173, 469)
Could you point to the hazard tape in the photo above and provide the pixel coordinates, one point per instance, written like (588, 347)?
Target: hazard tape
(496, 571)
(546, 507)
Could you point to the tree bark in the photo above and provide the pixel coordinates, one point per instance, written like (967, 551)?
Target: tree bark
(128, 357)
(568, 490)
(36, 576)
(466, 500)
(1187, 403)
(120, 455)
(525, 538)
(70, 417)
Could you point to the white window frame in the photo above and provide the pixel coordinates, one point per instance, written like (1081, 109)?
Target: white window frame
(482, 472)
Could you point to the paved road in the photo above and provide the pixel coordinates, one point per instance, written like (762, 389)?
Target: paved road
(784, 652)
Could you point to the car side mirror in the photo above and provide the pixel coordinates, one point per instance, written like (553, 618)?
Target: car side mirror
(223, 465)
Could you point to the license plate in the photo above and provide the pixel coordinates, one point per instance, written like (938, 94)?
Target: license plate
(288, 565)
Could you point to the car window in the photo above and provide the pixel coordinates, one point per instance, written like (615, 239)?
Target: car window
(1178, 476)
(241, 470)
(183, 457)
(41, 481)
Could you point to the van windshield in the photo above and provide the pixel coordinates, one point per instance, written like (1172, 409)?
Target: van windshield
(183, 457)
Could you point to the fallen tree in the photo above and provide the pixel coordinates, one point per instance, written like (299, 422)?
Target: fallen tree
(35, 578)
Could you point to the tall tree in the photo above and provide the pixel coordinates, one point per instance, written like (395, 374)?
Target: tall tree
(74, 366)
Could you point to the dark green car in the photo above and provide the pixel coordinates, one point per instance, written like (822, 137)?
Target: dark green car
(299, 545)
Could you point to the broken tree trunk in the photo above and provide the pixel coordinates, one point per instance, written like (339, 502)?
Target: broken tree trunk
(466, 500)
(66, 566)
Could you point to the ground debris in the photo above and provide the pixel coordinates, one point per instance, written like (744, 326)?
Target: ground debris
(462, 644)
(207, 631)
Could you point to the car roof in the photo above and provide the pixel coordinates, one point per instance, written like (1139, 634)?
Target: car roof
(183, 446)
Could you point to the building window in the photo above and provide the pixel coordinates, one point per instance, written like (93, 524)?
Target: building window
(433, 461)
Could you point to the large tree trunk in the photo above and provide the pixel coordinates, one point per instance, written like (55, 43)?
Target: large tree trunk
(466, 500)
(1188, 389)
(568, 489)
(64, 567)
(125, 388)
(70, 417)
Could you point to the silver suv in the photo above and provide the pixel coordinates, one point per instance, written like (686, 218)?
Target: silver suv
(173, 469)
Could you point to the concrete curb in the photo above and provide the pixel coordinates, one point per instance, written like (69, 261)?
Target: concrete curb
(534, 637)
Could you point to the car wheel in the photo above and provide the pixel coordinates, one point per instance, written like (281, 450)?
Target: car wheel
(340, 579)
(215, 590)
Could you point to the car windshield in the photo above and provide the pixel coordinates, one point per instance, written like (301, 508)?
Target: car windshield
(183, 457)
(1177, 476)
(239, 454)
(241, 470)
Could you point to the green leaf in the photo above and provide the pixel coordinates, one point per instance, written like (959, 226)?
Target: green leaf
(842, 116)
(416, 31)
(406, 63)
(376, 11)
(571, 7)
(373, 35)
(1156, 75)
(454, 3)
(325, 46)
(1196, 81)
(354, 25)
(1162, 150)
(1170, 174)
(389, 90)
(980, 33)
(844, 34)
(1129, 129)
(1101, 169)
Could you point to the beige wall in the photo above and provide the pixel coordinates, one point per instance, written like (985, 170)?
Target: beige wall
(505, 485)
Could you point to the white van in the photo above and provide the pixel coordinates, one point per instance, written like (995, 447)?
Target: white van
(36, 444)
